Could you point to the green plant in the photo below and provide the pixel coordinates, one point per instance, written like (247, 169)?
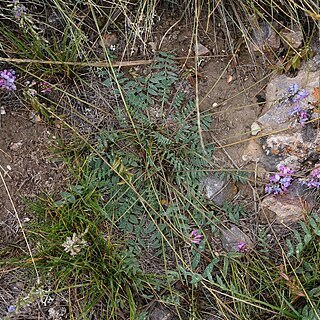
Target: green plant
(141, 181)
(82, 252)
(153, 149)
(304, 257)
(235, 212)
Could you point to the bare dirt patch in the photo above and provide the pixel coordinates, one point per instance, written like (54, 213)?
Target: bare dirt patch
(27, 172)
(232, 96)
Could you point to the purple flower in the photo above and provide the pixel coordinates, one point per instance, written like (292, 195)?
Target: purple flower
(275, 178)
(280, 182)
(293, 89)
(242, 247)
(300, 113)
(7, 78)
(18, 10)
(294, 111)
(275, 189)
(285, 182)
(45, 87)
(300, 95)
(303, 117)
(295, 94)
(195, 237)
(285, 170)
(11, 309)
(313, 179)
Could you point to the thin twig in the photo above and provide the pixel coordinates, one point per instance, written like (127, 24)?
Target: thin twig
(97, 63)
(196, 74)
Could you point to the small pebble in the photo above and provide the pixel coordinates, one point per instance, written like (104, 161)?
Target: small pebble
(255, 128)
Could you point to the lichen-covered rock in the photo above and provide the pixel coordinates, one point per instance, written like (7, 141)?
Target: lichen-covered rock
(289, 123)
(288, 207)
(288, 149)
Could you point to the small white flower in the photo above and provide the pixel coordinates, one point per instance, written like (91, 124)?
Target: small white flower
(55, 314)
(75, 244)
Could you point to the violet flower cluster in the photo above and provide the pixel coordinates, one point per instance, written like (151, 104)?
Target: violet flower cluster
(195, 237)
(295, 96)
(300, 114)
(242, 247)
(18, 10)
(313, 179)
(279, 182)
(7, 78)
(45, 87)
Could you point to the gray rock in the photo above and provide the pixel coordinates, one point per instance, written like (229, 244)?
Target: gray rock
(159, 313)
(292, 38)
(276, 116)
(314, 63)
(264, 37)
(219, 190)
(232, 239)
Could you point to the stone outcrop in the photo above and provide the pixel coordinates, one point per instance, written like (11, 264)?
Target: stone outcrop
(289, 136)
